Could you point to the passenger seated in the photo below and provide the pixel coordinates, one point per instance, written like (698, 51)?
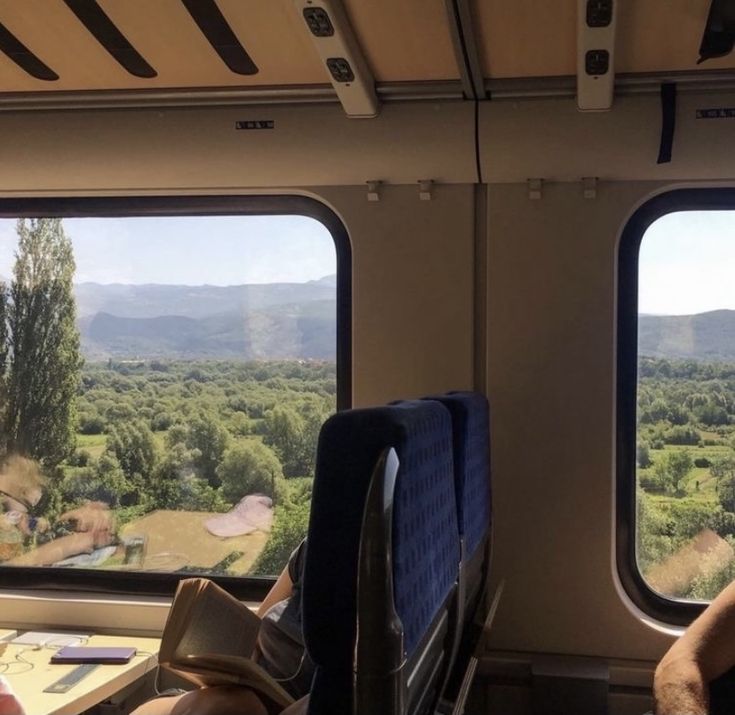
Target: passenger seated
(703, 653)
(21, 488)
(280, 651)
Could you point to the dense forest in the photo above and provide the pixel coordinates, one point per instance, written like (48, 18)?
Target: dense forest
(197, 436)
(686, 475)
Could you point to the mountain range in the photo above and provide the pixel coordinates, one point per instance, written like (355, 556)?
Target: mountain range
(704, 336)
(246, 322)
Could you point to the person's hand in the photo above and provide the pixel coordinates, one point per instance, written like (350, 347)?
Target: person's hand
(94, 517)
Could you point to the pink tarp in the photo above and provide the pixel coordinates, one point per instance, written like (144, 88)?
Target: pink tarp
(252, 512)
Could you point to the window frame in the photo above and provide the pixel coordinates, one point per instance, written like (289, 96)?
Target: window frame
(140, 583)
(667, 610)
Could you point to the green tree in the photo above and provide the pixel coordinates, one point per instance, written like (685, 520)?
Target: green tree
(176, 486)
(3, 355)
(643, 456)
(678, 464)
(723, 470)
(284, 432)
(249, 468)
(209, 436)
(290, 524)
(105, 482)
(44, 363)
(132, 443)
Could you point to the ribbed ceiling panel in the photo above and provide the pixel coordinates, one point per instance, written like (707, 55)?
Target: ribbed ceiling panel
(537, 38)
(404, 40)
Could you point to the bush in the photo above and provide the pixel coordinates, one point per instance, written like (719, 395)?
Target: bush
(682, 435)
(702, 463)
(250, 468)
(643, 456)
(80, 458)
(91, 423)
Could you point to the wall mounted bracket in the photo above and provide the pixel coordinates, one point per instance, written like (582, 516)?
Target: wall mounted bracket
(373, 190)
(589, 187)
(535, 189)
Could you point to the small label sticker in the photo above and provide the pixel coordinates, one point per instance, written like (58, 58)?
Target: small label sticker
(255, 124)
(716, 113)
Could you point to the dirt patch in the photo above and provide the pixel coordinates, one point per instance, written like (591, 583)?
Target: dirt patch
(177, 539)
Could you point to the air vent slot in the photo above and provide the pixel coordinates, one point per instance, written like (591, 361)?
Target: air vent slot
(597, 62)
(104, 30)
(318, 21)
(599, 13)
(15, 50)
(219, 34)
(340, 69)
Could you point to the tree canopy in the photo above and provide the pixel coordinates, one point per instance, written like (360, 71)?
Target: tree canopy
(41, 345)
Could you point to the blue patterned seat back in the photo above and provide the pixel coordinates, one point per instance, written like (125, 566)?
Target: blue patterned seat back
(425, 534)
(471, 431)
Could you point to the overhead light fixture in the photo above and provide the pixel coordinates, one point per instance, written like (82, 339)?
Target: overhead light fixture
(344, 62)
(595, 54)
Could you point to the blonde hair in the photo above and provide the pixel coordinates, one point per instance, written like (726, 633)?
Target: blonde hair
(21, 477)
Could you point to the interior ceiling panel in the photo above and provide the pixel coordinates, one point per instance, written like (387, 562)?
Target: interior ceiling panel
(404, 40)
(537, 38)
(165, 34)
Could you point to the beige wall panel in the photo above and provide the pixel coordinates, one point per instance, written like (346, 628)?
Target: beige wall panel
(551, 361)
(412, 291)
(404, 40)
(550, 139)
(190, 149)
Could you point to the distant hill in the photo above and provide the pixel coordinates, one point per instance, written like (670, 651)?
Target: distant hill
(269, 321)
(704, 336)
(153, 300)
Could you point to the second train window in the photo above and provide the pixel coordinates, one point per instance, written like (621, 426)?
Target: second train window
(685, 451)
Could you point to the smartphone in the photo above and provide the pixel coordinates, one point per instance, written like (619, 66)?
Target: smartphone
(92, 654)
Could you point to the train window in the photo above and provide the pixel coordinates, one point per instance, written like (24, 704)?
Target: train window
(164, 377)
(676, 449)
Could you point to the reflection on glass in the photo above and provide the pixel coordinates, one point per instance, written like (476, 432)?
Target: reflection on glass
(162, 385)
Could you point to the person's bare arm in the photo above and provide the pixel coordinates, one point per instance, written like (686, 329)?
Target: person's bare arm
(56, 550)
(94, 527)
(281, 589)
(705, 651)
(95, 518)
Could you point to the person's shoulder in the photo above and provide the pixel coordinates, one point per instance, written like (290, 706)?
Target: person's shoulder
(296, 562)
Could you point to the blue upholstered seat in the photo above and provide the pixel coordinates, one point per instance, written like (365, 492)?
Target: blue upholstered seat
(471, 444)
(425, 537)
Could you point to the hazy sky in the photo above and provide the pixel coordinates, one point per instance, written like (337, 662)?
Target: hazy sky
(687, 263)
(687, 259)
(219, 250)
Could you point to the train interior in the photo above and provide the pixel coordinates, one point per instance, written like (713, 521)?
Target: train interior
(484, 160)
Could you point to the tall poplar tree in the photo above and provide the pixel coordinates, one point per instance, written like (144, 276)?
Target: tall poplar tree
(44, 361)
(3, 360)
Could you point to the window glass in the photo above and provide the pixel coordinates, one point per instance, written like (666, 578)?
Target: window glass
(685, 456)
(162, 384)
